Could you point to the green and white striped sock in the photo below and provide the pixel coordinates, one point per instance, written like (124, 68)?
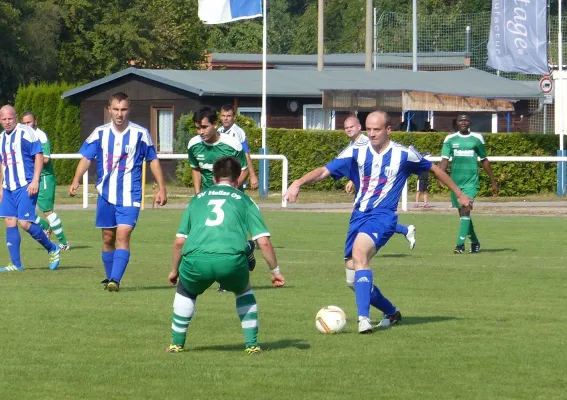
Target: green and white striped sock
(56, 227)
(183, 310)
(247, 310)
(41, 222)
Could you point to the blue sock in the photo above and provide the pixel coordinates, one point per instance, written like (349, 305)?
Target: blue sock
(107, 260)
(378, 300)
(39, 235)
(121, 258)
(401, 229)
(13, 240)
(362, 289)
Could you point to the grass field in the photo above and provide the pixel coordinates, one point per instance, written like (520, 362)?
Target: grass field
(483, 326)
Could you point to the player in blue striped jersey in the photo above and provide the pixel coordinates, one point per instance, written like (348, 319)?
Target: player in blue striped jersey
(22, 162)
(120, 149)
(353, 130)
(381, 168)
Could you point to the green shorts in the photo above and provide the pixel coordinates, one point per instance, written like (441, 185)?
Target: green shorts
(471, 192)
(198, 272)
(46, 196)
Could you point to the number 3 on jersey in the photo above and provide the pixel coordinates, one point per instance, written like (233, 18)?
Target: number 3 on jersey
(217, 210)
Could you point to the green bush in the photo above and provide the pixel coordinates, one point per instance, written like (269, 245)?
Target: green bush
(60, 120)
(307, 150)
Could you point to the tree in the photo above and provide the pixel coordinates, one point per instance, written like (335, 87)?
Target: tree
(10, 54)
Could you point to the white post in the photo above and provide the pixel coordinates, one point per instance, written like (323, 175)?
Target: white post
(284, 180)
(86, 189)
(560, 111)
(414, 35)
(494, 123)
(263, 118)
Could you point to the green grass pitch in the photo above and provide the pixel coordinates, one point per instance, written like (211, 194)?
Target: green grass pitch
(483, 326)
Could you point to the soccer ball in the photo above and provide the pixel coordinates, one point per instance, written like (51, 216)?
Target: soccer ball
(330, 319)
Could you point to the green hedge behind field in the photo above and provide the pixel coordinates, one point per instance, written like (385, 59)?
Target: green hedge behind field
(307, 150)
(58, 118)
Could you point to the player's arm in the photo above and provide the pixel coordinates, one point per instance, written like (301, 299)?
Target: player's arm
(265, 246)
(253, 176)
(486, 165)
(83, 167)
(197, 179)
(463, 199)
(33, 187)
(155, 167)
(243, 176)
(318, 174)
(176, 258)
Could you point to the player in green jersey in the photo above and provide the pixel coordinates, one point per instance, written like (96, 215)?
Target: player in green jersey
(209, 146)
(210, 246)
(464, 148)
(47, 183)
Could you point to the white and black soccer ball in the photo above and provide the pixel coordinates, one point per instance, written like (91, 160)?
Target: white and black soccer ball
(330, 319)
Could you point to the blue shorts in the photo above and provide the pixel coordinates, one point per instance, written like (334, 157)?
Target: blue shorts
(17, 203)
(110, 216)
(379, 225)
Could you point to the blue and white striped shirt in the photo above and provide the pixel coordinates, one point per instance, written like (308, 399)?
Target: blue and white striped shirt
(379, 178)
(18, 150)
(119, 160)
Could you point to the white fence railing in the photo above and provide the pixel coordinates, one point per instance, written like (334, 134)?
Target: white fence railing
(274, 157)
(491, 159)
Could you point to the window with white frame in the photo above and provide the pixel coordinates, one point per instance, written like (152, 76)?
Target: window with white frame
(254, 113)
(314, 117)
(163, 118)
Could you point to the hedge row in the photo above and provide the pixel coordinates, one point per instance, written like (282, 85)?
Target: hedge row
(60, 120)
(306, 150)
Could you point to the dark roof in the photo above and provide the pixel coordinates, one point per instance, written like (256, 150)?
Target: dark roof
(469, 82)
(454, 59)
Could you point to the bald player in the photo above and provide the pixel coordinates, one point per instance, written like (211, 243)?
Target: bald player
(22, 162)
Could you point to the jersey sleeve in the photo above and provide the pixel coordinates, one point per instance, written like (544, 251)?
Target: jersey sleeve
(242, 158)
(46, 149)
(255, 222)
(185, 224)
(481, 150)
(148, 148)
(32, 147)
(89, 148)
(416, 163)
(344, 165)
(447, 150)
(245, 147)
(192, 160)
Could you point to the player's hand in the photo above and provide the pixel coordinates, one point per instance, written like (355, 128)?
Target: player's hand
(33, 188)
(278, 280)
(494, 189)
(172, 278)
(465, 201)
(440, 184)
(292, 192)
(254, 182)
(73, 187)
(349, 188)
(161, 197)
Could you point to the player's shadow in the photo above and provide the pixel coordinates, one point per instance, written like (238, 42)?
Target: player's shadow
(61, 267)
(266, 287)
(298, 344)
(498, 250)
(79, 247)
(427, 320)
(140, 288)
(394, 255)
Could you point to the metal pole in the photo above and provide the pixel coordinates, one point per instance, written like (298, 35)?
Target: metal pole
(264, 56)
(560, 80)
(544, 119)
(368, 62)
(414, 35)
(468, 41)
(375, 48)
(320, 34)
